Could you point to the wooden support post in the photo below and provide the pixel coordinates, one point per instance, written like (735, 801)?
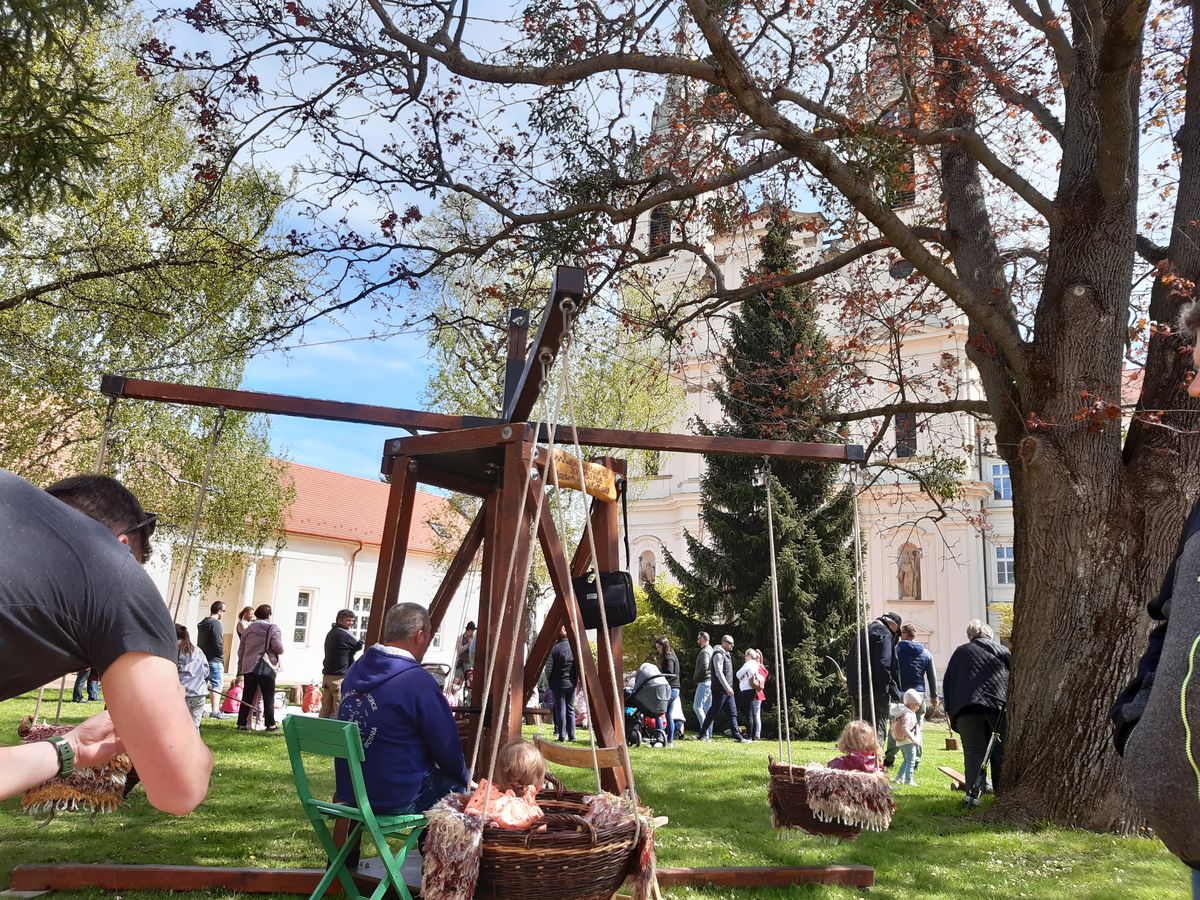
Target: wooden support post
(455, 574)
(487, 577)
(518, 338)
(511, 545)
(393, 549)
(606, 530)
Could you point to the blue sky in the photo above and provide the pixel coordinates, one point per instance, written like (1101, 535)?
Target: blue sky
(388, 372)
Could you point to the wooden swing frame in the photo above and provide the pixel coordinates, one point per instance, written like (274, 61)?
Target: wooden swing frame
(489, 458)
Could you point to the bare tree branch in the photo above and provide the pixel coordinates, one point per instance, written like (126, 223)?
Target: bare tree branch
(735, 76)
(974, 407)
(1047, 23)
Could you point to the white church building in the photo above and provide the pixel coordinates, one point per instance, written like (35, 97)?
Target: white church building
(937, 564)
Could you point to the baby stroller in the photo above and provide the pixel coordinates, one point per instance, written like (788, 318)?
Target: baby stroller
(646, 699)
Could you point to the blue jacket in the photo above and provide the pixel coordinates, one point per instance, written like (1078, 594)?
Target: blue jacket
(916, 668)
(407, 729)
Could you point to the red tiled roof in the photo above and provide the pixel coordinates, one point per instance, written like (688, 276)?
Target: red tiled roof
(346, 508)
(1131, 386)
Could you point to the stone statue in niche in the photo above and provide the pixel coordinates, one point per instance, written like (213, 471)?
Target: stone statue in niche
(646, 568)
(908, 572)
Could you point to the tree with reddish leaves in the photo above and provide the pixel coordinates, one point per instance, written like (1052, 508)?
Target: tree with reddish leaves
(1029, 170)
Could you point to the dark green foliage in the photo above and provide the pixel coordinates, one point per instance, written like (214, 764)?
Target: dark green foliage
(776, 385)
(52, 103)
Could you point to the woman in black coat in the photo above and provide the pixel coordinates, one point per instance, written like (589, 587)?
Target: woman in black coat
(668, 664)
(975, 688)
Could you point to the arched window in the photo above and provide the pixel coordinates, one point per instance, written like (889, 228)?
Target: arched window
(660, 226)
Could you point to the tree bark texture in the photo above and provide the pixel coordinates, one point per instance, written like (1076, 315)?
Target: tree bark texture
(1096, 522)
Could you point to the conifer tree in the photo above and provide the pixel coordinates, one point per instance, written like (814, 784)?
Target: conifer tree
(776, 385)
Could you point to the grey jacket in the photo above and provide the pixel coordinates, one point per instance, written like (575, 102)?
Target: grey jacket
(1157, 764)
(703, 658)
(722, 670)
(260, 639)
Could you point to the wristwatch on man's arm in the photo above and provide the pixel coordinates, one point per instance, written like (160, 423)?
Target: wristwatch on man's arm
(66, 755)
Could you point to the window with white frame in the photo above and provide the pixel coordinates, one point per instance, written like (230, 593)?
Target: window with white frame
(437, 639)
(304, 607)
(1001, 482)
(360, 605)
(1005, 571)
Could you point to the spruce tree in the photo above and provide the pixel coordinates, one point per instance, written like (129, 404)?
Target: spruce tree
(776, 385)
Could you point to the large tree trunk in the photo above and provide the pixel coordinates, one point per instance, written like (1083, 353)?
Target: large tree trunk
(1091, 553)
(1094, 531)
(1096, 522)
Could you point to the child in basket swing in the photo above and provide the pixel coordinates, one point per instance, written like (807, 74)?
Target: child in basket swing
(512, 799)
(907, 734)
(860, 749)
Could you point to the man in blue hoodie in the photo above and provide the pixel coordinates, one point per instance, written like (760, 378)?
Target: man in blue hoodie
(916, 672)
(412, 754)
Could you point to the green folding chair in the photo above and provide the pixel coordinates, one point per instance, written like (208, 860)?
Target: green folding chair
(341, 740)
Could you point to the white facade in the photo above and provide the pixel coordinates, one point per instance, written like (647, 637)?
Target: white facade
(962, 550)
(315, 576)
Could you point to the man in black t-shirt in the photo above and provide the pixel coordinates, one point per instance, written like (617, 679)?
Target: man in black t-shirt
(340, 647)
(210, 638)
(72, 595)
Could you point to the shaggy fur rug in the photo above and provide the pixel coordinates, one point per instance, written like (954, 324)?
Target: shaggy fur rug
(855, 798)
(90, 790)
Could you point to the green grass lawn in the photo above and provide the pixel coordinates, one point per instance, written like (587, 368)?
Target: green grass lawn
(714, 794)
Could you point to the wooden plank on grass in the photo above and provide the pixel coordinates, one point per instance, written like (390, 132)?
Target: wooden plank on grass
(767, 876)
(74, 876)
(958, 781)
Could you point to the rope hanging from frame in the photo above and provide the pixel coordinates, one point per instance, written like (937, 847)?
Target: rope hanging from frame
(193, 531)
(821, 801)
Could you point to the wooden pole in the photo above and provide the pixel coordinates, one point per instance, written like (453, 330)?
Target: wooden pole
(393, 548)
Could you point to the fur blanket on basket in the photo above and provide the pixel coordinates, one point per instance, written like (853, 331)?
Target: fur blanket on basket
(855, 798)
(453, 847)
(90, 790)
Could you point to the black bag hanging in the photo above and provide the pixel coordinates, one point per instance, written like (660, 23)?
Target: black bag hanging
(620, 606)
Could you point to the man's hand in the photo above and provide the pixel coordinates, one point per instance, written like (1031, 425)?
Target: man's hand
(729, 692)
(152, 718)
(94, 741)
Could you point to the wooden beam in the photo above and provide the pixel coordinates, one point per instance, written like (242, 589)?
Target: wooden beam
(107, 877)
(447, 480)
(514, 364)
(569, 282)
(393, 548)
(459, 440)
(285, 405)
(459, 567)
(75, 876)
(767, 876)
(411, 419)
(578, 757)
(710, 443)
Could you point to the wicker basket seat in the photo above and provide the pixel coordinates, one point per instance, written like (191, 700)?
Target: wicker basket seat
(788, 795)
(570, 860)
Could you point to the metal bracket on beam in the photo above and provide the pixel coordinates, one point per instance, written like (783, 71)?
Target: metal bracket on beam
(112, 385)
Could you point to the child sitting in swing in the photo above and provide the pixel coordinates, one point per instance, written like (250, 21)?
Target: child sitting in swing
(860, 749)
(512, 800)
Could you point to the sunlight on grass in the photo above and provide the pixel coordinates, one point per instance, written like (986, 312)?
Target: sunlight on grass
(714, 794)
